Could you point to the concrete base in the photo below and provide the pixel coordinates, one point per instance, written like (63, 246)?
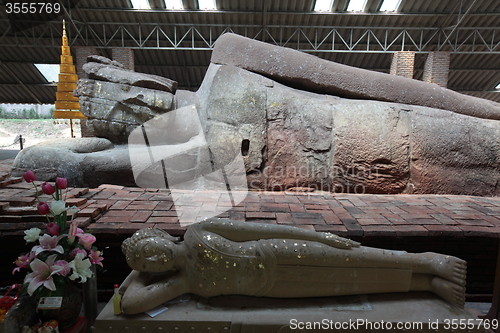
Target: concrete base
(400, 312)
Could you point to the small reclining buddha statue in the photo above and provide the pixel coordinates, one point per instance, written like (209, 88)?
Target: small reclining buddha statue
(224, 257)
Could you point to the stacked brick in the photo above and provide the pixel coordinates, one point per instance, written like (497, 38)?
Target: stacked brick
(437, 67)
(403, 63)
(124, 56)
(82, 52)
(5, 178)
(124, 210)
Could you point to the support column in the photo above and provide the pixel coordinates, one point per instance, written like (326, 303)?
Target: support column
(124, 56)
(403, 63)
(437, 68)
(82, 52)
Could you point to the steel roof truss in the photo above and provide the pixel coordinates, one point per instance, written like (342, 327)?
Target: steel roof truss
(309, 39)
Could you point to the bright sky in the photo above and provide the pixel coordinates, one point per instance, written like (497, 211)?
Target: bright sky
(140, 4)
(49, 71)
(356, 5)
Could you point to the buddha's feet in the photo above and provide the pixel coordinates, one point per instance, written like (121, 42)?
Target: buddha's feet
(448, 267)
(449, 291)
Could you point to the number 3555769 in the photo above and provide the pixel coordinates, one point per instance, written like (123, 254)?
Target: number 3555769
(32, 8)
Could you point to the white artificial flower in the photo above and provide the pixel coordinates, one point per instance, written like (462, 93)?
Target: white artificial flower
(73, 210)
(80, 267)
(57, 207)
(32, 235)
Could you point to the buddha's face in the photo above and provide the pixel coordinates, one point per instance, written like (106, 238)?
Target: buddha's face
(149, 251)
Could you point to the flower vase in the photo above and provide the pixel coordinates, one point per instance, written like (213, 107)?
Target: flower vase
(70, 309)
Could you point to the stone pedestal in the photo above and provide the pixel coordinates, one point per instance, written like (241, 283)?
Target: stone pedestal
(399, 312)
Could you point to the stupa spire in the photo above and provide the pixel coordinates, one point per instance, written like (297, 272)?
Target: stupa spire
(67, 105)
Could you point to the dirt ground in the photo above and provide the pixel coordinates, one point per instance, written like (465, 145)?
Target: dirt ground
(34, 131)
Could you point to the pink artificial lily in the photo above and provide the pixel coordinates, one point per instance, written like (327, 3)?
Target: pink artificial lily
(48, 243)
(42, 274)
(23, 261)
(73, 231)
(95, 257)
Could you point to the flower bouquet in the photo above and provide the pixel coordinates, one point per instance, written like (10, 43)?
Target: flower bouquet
(63, 254)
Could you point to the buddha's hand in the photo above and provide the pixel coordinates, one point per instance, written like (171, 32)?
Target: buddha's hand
(338, 242)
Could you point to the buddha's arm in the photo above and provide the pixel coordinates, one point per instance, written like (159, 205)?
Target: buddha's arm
(146, 292)
(247, 231)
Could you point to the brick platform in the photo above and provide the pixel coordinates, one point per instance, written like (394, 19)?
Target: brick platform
(465, 226)
(123, 210)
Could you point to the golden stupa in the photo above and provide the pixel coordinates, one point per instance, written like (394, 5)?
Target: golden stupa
(67, 105)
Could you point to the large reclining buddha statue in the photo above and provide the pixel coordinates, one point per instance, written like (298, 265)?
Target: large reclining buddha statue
(300, 121)
(224, 257)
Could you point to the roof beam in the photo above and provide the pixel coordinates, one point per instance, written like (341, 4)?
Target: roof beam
(270, 12)
(473, 40)
(23, 86)
(460, 19)
(30, 84)
(70, 18)
(451, 16)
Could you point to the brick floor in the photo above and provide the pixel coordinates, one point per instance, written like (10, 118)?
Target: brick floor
(118, 209)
